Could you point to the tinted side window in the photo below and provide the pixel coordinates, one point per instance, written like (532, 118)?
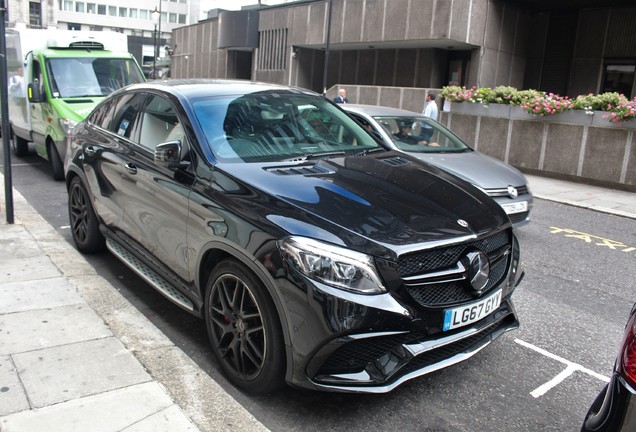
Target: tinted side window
(159, 124)
(126, 113)
(100, 116)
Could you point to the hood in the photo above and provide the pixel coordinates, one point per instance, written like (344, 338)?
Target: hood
(389, 203)
(476, 168)
(76, 108)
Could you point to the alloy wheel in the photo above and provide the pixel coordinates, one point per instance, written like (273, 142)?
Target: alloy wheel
(237, 326)
(78, 213)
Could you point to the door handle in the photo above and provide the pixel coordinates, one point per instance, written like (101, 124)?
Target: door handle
(90, 151)
(131, 168)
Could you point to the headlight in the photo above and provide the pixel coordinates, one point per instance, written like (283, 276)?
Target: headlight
(67, 125)
(332, 265)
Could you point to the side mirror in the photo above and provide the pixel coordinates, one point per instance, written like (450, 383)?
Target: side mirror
(34, 93)
(168, 155)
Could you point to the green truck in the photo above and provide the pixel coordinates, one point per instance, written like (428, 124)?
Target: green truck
(56, 77)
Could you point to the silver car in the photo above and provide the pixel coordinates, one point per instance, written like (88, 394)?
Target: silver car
(429, 141)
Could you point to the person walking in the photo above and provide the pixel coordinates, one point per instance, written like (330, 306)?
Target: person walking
(430, 111)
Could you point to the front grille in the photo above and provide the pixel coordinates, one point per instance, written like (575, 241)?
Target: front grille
(437, 259)
(449, 290)
(521, 190)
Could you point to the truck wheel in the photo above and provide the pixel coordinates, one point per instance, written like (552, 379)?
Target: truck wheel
(244, 328)
(56, 163)
(20, 145)
(84, 223)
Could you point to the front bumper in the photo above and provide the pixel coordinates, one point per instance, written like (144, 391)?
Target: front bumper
(346, 342)
(519, 218)
(380, 362)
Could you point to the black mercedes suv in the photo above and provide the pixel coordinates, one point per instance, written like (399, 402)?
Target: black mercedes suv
(315, 256)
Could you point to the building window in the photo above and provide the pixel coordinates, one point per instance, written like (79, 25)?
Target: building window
(35, 14)
(619, 77)
(101, 9)
(182, 19)
(96, 28)
(112, 10)
(143, 14)
(68, 5)
(172, 18)
(272, 49)
(74, 26)
(79, 7)
(123, 12)
(90, 8)
(133, 13)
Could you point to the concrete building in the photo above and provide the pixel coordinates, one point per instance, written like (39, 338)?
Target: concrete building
(568, 47)
(134, 19)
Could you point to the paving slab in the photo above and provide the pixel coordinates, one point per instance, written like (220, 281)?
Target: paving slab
(171, 419)
(26, 269)
(42, 328)
(61, 373)
(17, 243)
(95, 413)
(12, 396)
(23, 296)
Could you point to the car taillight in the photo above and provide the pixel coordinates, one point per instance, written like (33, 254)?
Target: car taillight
(627, 359)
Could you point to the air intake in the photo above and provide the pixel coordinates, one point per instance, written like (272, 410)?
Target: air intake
(301, 170)
(396, 161)
(86, 45)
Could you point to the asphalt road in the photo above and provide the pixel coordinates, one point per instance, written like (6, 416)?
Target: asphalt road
(573, 303)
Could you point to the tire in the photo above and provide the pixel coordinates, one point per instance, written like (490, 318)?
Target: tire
(20, 146)
(244, 329)
(56, 163)
(84, 223)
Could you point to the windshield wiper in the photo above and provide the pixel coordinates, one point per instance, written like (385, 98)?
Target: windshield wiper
(367, 151)
(320, 155)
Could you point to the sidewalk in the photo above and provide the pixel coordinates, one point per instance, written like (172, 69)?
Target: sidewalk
(605, 200)
(76, 356)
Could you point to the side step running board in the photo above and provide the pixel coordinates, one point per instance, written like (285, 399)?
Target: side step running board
(149, 275)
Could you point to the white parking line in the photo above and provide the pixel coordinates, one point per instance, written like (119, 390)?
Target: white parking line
(569, 370)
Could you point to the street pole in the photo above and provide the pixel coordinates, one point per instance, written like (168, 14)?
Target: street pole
(326, 70)
(154, 57)
(158, 36)
(4, 112)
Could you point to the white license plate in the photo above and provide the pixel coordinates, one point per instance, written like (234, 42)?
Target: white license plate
(464, 315)
(515, 207)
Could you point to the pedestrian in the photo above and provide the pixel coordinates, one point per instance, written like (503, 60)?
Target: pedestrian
(342, 97)
(430, 111)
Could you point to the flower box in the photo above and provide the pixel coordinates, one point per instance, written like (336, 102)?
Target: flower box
(578, 117)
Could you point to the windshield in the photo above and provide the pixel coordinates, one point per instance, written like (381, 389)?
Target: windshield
(420, 134)
(279, 125)
(84, 77)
